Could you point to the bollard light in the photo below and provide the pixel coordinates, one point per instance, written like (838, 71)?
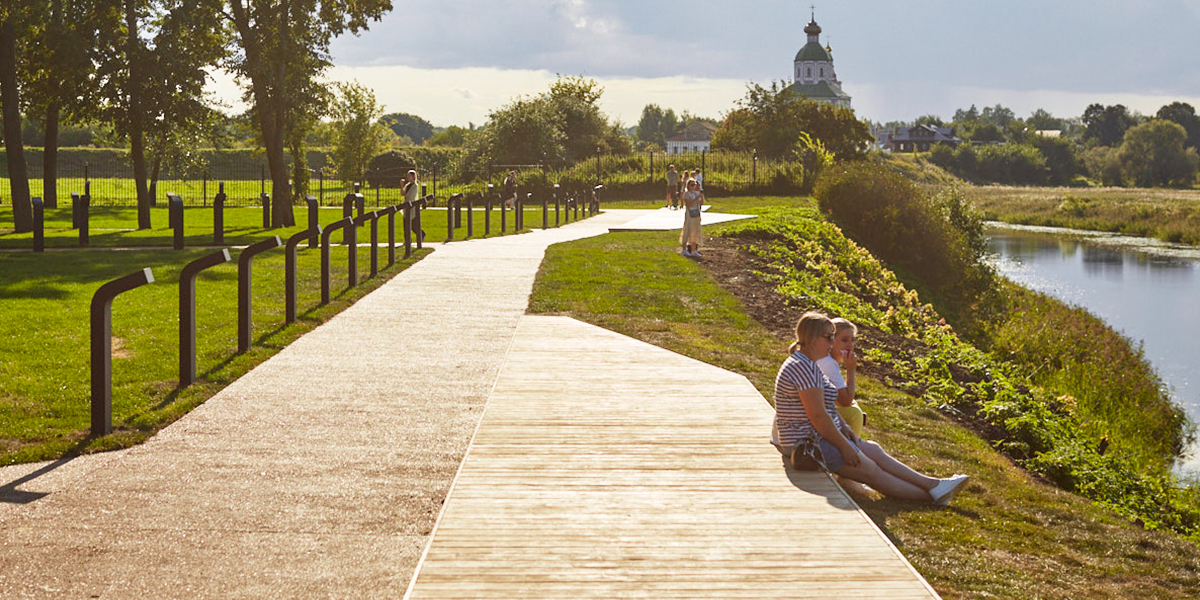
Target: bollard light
(101, 342)
(187, 312)
(244, 280)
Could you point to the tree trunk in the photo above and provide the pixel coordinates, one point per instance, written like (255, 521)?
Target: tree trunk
(137, 143)
(50, 154)
(18, 176)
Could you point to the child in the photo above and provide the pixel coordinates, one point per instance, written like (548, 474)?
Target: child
(843, 352)
(689, 237)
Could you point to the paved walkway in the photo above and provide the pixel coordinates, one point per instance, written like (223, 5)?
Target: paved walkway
(320, 473)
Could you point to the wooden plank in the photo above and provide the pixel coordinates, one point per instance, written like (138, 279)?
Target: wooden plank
(604, 467)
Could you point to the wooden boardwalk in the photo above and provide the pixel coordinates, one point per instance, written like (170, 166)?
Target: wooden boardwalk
(604, 467)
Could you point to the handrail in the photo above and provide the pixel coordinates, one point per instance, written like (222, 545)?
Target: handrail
(314, 227)
(244, 271)
(359, 222)
(101, 341)
(289, 272)
(329, 229)
(390, 211)
(187, 312)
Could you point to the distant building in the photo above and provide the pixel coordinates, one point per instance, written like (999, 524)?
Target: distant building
(696, 137)
(813, 75)
(920, 138)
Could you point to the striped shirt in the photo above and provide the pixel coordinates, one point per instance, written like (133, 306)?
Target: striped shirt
(797, 374)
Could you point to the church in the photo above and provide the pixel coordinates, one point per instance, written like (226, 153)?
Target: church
(814, 77)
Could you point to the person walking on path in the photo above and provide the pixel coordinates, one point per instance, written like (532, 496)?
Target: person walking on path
(672, 187)
(510, 189)
(689, 237)
(813, 436)
(411, 188)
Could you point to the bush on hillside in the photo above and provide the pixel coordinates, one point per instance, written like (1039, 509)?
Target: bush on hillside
(387, 170)
(936, 240)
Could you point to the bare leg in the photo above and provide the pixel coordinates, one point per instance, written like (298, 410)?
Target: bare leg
(895, 467)
(885, 483)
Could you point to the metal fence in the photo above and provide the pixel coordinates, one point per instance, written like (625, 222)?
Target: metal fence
(638, 175)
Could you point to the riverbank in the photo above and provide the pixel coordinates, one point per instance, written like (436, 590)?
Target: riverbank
(1010, 535)
(1170, 215)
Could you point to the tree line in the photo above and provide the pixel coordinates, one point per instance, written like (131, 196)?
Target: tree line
(1108, 145)
(139, 66)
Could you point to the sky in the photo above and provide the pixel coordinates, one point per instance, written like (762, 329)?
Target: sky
(451, 62)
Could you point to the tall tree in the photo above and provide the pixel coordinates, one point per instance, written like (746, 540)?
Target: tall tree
(770, 120)
(358, 134)
(657, 124)
(1183, 114)
(1152, 154)
(283, 50)
(1106, 125)
(15, 18)
(409, 126)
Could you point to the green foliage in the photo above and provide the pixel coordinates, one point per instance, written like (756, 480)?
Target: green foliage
(1183, 114)
(1104, 165)
(357, 133)
(450, 137)
(564, 123)
(770, 120)
(1063, 162)
(656, 125)
(1106, 125)
(933, 239)
(389, 169)
(1153, 154)
(409, 126)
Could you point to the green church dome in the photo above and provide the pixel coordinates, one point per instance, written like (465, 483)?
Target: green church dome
(813, 51)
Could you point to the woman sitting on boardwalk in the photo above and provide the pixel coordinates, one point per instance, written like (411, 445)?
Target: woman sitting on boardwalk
(813, 435)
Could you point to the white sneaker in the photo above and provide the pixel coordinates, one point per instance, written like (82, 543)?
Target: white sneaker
(947, 488)
(697, 254)
(686, 253)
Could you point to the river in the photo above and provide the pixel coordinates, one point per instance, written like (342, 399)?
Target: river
(1144, 288)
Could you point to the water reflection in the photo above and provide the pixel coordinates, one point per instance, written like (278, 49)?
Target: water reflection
(1146, 291)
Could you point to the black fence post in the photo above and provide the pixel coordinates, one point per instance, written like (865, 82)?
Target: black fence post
(458, 210)
(244, 281)
(175, 216)
(314, 227)
(391, 226)
(545, 211)
(329, 229)
(470, 217)
(266, 210)
(373, 217)
(596, 198)
(352, 249)
(450, 218)
(85, 207)
(347, 213)
(557, 189)
(754, 169)
(187, 313)
(418, 229)
(39, 225)
(101, 341)
(219, 215)
(503, 215)
(407, 207)
(74, 210)
(289, 272)
(487, 212)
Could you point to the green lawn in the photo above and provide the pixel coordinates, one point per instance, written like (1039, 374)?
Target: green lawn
(1008, 535)
(44, 316)
(116, 227)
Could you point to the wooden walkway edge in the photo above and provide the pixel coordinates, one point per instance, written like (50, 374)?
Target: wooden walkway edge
(605, 467)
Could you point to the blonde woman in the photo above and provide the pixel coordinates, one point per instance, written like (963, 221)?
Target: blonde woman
(813, 436)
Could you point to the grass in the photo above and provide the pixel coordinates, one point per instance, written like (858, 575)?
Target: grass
(44, 336)
(1172, 215)
(116, 227)
(1009, 535)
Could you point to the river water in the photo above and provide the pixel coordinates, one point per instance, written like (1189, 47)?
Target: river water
(1146, 289)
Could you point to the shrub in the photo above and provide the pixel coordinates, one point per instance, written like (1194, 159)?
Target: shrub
(387, 170)
(934, 240)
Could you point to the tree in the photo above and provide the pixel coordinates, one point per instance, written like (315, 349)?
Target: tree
(283, 50)
(564, 123)
(934, 120)
(1042, 120)
(1152, 154)
(770, 120)
(1183, 114)
(14, 20)
(409, 126)
(358, 134)
(452, 136)
(1106, 125)
(656, 125)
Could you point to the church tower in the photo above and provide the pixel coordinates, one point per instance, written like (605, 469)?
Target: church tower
(813, 76)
